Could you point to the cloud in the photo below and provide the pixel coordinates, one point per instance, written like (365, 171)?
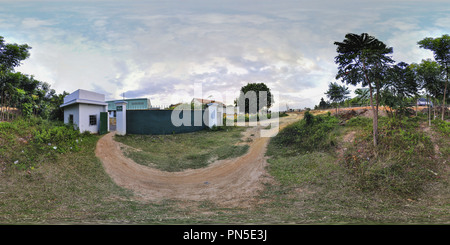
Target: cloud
(158, 49)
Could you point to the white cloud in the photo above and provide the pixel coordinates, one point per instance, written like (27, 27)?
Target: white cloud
(28, 23)
(158, 48)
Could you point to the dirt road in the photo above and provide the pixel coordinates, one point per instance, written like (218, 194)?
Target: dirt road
(230, 182)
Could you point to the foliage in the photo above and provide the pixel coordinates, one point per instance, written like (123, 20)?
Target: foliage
(323, 104)
(442, 126)
(441, 50)
(404, 160)
(247, 104)
(25, 143)
(61, 138)
(21, 91)
(337, 93)
(364, 59)
(310, 134)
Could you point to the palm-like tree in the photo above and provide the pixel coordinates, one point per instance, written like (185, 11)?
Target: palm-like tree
(363, 59)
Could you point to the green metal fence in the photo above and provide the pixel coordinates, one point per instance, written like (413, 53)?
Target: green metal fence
(158, 122)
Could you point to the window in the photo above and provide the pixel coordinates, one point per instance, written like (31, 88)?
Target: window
(71, 118)
(92, 120)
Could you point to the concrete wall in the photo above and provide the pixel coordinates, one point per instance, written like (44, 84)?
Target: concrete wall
(81, 113)
(71, 109)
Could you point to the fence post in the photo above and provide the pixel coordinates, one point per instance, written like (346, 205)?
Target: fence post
(212, 115)
(121, 117)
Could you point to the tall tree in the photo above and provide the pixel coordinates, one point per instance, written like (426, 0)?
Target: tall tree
(363, 59)
(400, 84)
(10, 57)
(428, 75)
(247, 104)
(441, 50)
(362, 95)
(337, 93)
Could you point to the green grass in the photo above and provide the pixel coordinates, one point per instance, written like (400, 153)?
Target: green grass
(309, 187)
(344, 182)
(178, 152)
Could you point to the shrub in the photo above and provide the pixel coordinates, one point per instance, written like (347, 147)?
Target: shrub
(313, 133)
(60, 138)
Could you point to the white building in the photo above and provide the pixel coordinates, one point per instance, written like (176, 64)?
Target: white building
(83, 108)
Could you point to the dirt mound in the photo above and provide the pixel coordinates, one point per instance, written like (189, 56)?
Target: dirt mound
(347, 114)
(230, 182)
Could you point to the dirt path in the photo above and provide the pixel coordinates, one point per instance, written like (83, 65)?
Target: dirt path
(230, 182)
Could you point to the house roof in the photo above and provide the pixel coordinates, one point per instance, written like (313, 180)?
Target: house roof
(205, 101)
(83, 101)
(82, 96)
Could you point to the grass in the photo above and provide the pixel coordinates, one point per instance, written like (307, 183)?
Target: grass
(309, 187)
(178, 152)
(343, 182)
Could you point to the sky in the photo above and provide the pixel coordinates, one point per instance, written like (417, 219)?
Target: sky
(162, 50)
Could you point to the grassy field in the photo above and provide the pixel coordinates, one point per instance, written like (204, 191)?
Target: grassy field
(342, 181)
(333, 183)
(178, 152)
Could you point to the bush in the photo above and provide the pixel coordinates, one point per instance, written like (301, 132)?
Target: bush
(442, 126)
(403, 161)
(61, 138)
(313, 133)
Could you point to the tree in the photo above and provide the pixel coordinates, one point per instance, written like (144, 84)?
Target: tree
(323, 104)
(441, 50)
(362, 95)
(363, 59)
(428, 75)
(400, 84)
(10, 57)
(337, 93)
(250, 104)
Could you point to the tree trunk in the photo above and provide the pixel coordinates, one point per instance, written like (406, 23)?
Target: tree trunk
(375, 117)
(445, 90)
(429, 111)
(417, 106)
(375, 113)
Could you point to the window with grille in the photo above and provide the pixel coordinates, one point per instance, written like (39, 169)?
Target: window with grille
(92, 120)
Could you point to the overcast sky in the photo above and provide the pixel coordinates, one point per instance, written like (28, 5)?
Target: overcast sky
(161, 49)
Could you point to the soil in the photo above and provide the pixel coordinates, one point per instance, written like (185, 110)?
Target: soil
(231, 182)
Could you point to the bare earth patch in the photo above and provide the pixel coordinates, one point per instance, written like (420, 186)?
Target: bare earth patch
(230, 182)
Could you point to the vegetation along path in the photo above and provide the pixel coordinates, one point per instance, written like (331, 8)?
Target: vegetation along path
(230, 182)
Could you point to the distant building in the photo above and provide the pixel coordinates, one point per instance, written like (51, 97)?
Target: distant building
(133, 104)
(83, 108)
(197, 101)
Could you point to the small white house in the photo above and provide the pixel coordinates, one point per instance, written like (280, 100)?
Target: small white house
(83, 108)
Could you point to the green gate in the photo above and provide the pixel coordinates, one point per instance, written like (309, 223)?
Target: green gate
(103, 123)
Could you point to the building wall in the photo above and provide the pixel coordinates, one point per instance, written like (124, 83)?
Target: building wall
(133, 104)
(81, 113)
(74, 110)
(85, 110)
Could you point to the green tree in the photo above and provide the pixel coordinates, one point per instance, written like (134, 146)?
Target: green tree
(323, 104)
(363, 59)
(429, 77)
(400, 85)
(10, 57)
(362, 95)
(337, 93)
(441, 50)
(248, 104)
